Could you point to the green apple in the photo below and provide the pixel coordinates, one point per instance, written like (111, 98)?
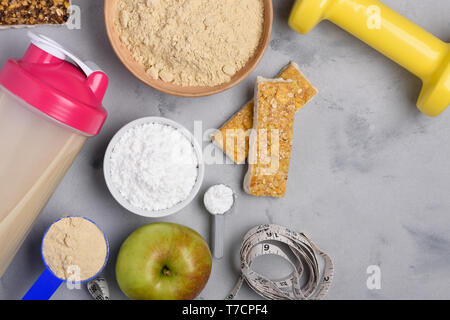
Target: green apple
(163, 261)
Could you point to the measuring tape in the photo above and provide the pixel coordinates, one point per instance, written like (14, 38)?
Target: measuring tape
(98, 288)
(270, 239)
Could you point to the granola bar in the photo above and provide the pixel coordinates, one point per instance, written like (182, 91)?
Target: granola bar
(33, 12)
(233, 137)
(271, 137)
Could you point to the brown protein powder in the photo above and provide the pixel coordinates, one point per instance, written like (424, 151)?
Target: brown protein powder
(191, 42)
(74, 245)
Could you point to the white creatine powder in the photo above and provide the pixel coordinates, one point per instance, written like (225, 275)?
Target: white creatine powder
(219, 199)
(154, 166)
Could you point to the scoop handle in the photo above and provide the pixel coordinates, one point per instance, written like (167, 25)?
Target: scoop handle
(218, 228)
(44, 287)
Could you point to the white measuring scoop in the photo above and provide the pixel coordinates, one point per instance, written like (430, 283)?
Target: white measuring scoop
(219, 200)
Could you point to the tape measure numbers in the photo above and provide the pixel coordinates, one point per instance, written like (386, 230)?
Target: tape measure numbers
(98, 288)
(270, 239)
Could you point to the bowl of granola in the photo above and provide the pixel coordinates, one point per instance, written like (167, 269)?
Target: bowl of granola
(29, 13)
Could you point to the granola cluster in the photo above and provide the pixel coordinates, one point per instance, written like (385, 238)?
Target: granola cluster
(32, 12)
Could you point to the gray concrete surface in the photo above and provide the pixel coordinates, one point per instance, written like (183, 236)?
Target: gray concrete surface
(369, 179)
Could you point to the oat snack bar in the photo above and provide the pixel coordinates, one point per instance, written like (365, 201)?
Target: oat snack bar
(271, 138)
(33, 12)
(233, 136)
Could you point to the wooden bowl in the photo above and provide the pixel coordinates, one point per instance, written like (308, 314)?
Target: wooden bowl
(139, 71)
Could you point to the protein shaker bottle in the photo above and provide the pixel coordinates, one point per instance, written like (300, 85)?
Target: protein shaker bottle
(49, 107)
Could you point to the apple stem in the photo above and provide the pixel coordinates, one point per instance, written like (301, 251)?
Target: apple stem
(166, 271)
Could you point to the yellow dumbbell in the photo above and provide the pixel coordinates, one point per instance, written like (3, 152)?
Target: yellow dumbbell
(393, 35)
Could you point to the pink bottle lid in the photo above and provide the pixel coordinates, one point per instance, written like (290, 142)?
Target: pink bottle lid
(65, 92)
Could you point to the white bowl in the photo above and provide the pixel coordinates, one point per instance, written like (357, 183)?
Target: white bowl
(116, 194)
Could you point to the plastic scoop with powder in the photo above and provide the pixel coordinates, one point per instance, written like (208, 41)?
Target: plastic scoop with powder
(218, 200)
(73, 245)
